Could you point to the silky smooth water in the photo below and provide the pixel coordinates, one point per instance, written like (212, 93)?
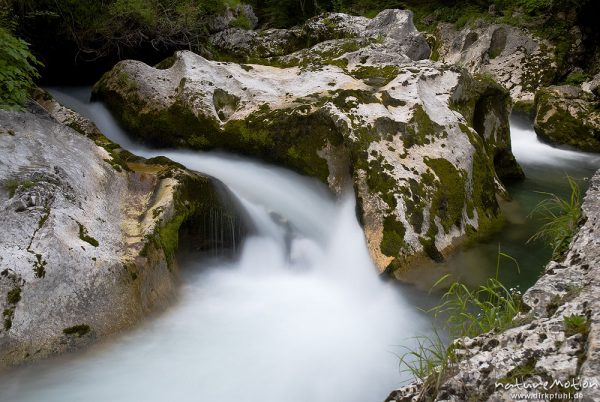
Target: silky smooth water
(301, 314)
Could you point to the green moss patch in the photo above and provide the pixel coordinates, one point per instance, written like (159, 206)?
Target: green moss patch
(393, 237)
(449, 200)
(415, 199)
(39, 266)
(8, 315)
(421, 130)
(388, 100)
(431, 249)
(381, 181)
(558, 124)
(79, 330)
(14, 295)
(376, 76)
(83, 235)
(202, 209)
(166, 63)
(13, 185)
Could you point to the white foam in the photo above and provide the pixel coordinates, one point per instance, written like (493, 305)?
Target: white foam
(298, 319)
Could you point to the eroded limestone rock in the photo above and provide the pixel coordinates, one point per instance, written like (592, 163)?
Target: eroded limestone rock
(391, 32)
(421, 142)
(241, 13)
(88, 232)
(542, 346)
(518, 60)
(568, 115)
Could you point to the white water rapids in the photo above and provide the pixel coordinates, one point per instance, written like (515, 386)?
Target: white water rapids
(529, 150)
(300, 316)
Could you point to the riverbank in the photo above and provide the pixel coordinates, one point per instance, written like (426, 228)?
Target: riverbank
(556, 338)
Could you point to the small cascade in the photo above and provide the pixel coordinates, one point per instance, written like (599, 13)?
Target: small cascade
(299, 315)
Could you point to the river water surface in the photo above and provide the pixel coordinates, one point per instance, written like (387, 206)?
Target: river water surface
(301, 315)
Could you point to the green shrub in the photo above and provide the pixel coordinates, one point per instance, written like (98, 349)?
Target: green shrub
(562, 217)
(534, 6)
(94, 29)
(576, 78)
(17, 71)
(242, 22)
(139, 12)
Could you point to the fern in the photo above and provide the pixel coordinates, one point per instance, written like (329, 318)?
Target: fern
(17, 71)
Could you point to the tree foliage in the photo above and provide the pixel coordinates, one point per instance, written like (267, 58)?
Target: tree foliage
(17, 70)
(63, 33)
(100, 28)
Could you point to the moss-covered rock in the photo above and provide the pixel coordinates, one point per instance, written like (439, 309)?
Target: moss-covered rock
(553, 335)
(419, 140)
(329, 35)
(568, 115)
(484, 104)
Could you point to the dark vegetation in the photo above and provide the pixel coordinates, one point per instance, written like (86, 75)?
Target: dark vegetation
(80, 39)
(83, 235)
(17, 65)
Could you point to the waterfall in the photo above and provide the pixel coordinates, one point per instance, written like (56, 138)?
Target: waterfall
(301, 315)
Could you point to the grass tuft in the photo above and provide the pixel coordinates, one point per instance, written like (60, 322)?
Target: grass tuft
(575, 324)
(470, 312)
(562, 217)
(467, 313)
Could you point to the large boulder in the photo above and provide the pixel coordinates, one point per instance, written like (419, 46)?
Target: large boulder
(568, 115)
(417, 140)
(517, 59)
(89, 232)
(544, 345)
(391, 31)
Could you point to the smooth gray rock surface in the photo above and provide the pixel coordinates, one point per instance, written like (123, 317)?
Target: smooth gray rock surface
(514, 57)
(82, 253)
